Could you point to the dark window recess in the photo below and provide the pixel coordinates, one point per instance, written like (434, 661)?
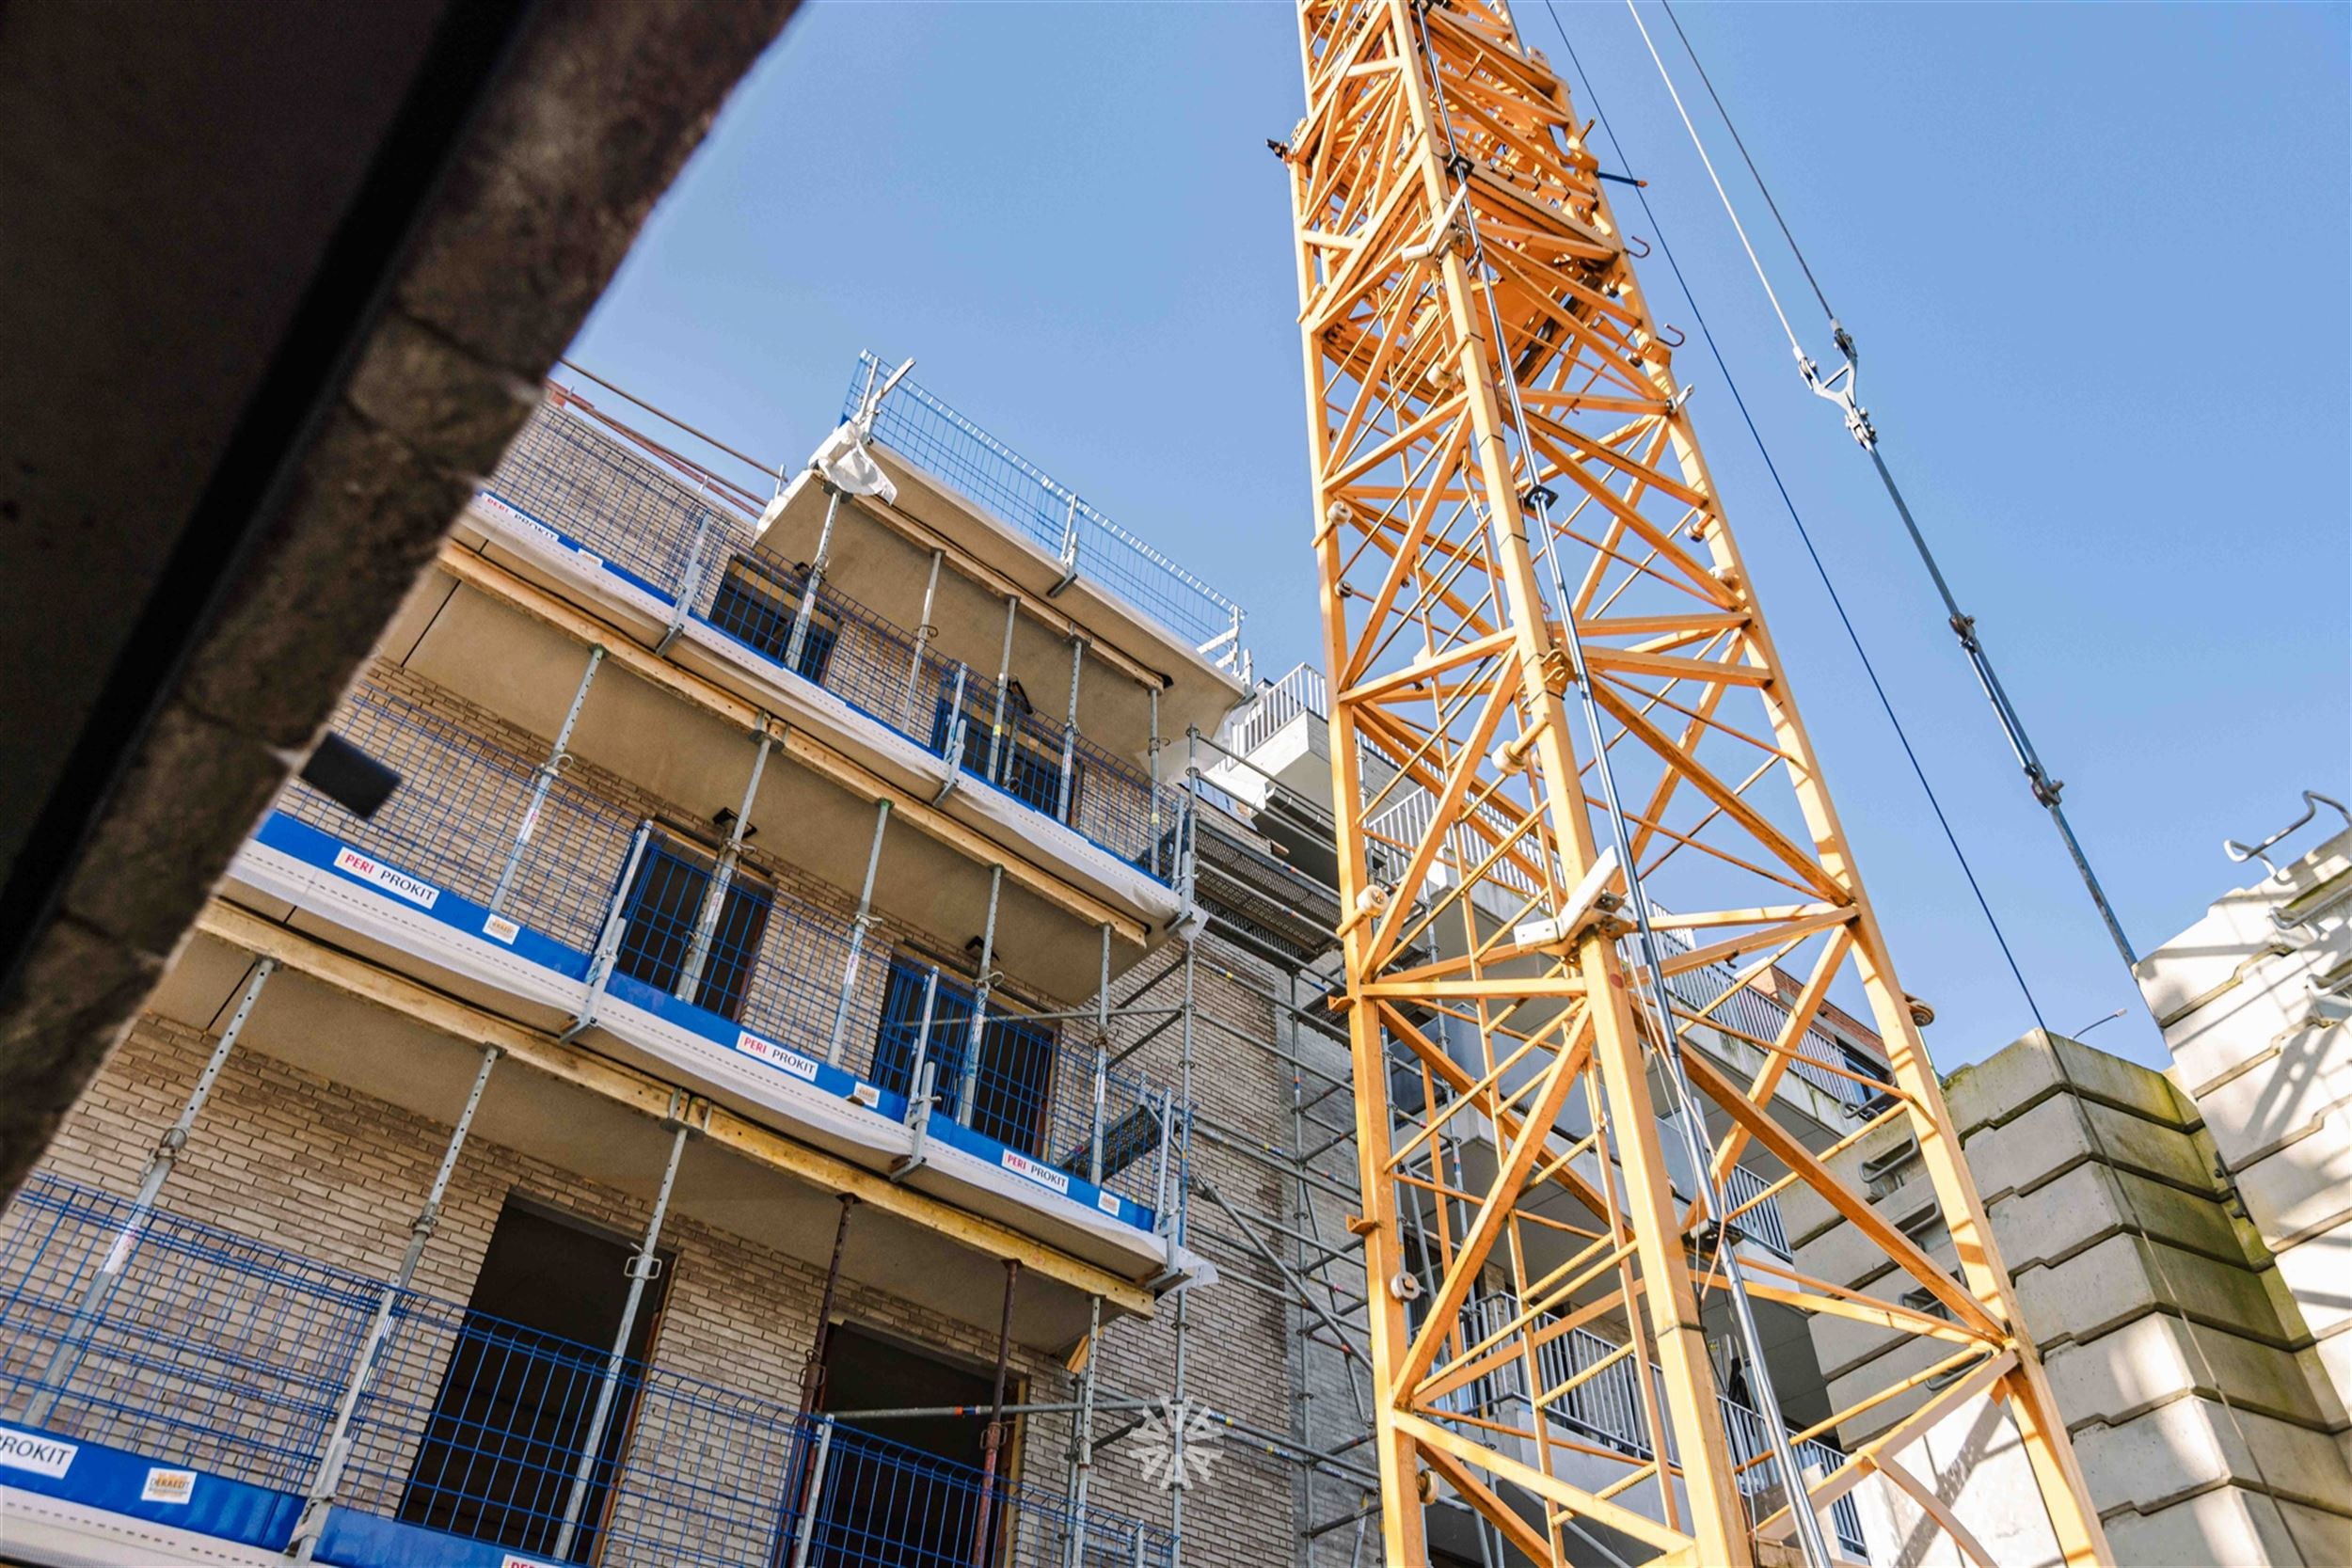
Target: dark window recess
(1025, 770)
(659, 914)
(1012, 1088)
(756, 605)
(886, 1498)
(1124, 1141)
(504, 1441)
(1870, 1067)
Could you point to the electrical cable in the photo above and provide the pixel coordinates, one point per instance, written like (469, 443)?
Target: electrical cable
(1754, 173)
(1839, 389)
(1804, 535)
(2141, 1234)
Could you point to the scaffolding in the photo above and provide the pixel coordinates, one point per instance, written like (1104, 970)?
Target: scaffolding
(318, 1383)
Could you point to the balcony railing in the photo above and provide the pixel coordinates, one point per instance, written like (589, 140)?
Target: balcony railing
(1607, 1408)
(686, 545)
(179, 1343)
(936, 438)
(588, 877)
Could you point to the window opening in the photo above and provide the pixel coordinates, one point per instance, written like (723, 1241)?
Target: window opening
(1011, 1089)
(661, 916)
(886, 1498)
(757, 604)
(1026, 769)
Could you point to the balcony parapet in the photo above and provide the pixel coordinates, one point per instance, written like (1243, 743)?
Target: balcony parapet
(686, 558)
(579, 915)
(158, 1346)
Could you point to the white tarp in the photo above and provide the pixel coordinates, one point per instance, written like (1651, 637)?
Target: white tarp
(843, 462)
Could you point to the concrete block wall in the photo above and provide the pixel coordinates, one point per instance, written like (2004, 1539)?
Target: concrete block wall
(2172, 1344)
(2253, 1001)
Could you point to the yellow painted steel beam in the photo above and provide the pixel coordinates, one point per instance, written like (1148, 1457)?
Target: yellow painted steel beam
(1509, 497)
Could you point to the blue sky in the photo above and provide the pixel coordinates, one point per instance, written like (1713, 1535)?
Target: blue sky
(2096, 259)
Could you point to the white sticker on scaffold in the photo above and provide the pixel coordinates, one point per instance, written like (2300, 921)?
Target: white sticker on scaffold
(776, 1056)
(177, 1488)
(511, 1560)
(398, 883)
(1108, 1203)
(502, 929)
(43, 1456)
(1044, 1176)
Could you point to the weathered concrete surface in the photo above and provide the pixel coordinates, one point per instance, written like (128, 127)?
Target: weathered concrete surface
(2253, 1002)
(1974, 1463)
(2152, 1299)
(599, 104)
(2227, 1529)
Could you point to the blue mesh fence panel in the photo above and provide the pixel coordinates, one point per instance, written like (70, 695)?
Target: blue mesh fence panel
(679, 935)
(461, 799)
(1111, 801)
(221, 1353)
(200, 1345)
(795, 985)
(1032, 1088)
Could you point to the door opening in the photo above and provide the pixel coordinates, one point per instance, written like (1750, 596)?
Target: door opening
(903, 1490)
(501, 1453)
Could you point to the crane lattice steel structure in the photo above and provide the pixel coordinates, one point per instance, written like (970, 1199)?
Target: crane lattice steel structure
(1497, 437)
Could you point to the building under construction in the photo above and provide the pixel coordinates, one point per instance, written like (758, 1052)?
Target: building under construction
(823, 1013)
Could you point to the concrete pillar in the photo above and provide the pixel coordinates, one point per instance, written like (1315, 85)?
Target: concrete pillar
(2172, 1341)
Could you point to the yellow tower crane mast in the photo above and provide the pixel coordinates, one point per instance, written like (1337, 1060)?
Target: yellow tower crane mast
(1556, 714)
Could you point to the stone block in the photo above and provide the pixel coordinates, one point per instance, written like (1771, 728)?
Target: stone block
(2226, 1529)
(1972, 1460)
(2269, 997)
(2027, 1149)
(2248, 1115)
(2333, 1359)
(2317, 1274)
(2151, 1360)
(1995, 1089)
(1898, 1360)
(2061, 1216)
(2303, 1185)
(1803, 1213)
(2111, 1281)
(2193, 1444)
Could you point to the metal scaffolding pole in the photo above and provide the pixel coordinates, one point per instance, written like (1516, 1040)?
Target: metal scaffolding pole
(643, 1267)
(544, 780)
(714, 901)
(100, 1289)
(328, 1481)
(859, 926)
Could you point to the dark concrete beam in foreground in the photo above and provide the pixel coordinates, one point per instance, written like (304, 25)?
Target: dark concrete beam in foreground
(291, 276)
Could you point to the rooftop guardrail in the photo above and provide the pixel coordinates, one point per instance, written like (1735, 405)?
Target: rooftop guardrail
(683, 541)
(936, 438)
(219, 1353)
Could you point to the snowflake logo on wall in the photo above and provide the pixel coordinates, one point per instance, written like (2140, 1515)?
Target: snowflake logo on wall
(1172, 1446)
